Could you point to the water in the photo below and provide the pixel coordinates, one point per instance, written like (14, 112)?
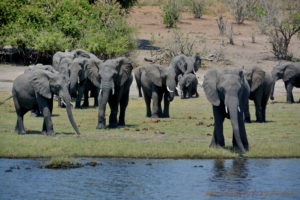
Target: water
(153, 179)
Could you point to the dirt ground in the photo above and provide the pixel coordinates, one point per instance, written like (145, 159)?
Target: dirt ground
(152, 35)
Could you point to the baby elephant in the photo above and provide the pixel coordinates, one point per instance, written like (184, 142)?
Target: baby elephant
(188, 85)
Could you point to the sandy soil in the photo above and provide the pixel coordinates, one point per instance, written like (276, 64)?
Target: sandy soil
(152, 35)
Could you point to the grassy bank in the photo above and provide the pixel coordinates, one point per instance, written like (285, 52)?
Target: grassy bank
(186, 134)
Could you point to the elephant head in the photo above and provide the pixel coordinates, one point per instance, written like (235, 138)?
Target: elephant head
(46, 84)
(78, 74)
(227, 90)
(255, 77)
(285, 72)
(183, 64)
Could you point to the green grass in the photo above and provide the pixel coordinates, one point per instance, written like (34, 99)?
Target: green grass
(187, 134)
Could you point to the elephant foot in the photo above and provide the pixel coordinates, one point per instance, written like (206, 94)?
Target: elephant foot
(259, 121)
(121, 123)
(155, 116)
(84, 105)
(21, 132)
(113, 125)
(165, 116)
(50, 133)
(214, 145)
(101, 126)
(247, 120)
(148, 115)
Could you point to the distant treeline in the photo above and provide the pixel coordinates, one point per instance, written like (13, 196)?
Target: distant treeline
(35, 29)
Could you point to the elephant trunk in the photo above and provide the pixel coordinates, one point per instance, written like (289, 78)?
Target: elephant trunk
(103, 98)
(74, 81)
(232, 105)
(66, 98)
(171, 83)
(272, 89)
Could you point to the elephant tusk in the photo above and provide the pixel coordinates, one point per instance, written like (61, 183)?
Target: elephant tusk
(62, 100)
(239, 109)
(178, 89)
(113, 91)
(194, 70)
(100, 92)
(226, 110)
(78, 80)
(169, 89)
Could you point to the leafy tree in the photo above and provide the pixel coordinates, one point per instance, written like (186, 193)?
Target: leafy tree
(47, 26)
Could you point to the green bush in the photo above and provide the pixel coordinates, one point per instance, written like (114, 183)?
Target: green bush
(197, 8)
(51, 25)
(171, 13)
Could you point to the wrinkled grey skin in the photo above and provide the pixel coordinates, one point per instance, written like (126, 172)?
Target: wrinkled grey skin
(183, 64)
(35, 90)
(157, 83)
(79, 80)
(113, 77)
(188, 85)
(290, 74)
(36, 112)
(73, 65)
(228, 92)
(260, 83)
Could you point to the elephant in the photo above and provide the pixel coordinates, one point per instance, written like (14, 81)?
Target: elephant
(290, 74)
(113, 78)
(228, 92)
(260, 83)
(73, 65)
(80, 84)
(36, 112)
(188, 85)
(35, 90)
(157, 83)
(183, 64)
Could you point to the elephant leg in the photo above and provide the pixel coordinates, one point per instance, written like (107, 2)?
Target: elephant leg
(44, 104)
(289, 91)
(95, 93)
(79, 96)
(218, 137)
(247, 113)
(166, 106)
(85, 99)
(20, 115)
(113, 122)
(123, 105)
(243, 134)
(156, 104)
(197, 94)
(258, 107)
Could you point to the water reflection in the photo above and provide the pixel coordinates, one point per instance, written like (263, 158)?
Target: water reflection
(164, 179)
(229, 177)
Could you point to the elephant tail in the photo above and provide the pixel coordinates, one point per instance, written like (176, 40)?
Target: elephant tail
(2, 102)
(137, 77)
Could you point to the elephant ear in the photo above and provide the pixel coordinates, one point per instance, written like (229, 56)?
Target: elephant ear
(40, 83)
(210, 87)
(154, 74)
(124, 69)
(258, 77)
(92, 70)
(290, 71)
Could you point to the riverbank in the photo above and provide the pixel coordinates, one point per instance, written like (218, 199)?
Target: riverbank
(186, 134)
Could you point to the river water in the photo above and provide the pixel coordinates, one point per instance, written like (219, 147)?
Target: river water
(149, 179)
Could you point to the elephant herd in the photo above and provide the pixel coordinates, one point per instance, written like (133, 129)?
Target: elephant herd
(79, 74)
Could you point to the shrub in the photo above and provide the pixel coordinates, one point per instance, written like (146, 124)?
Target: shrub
(171, 13)
(197, 8)
(51, 25)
